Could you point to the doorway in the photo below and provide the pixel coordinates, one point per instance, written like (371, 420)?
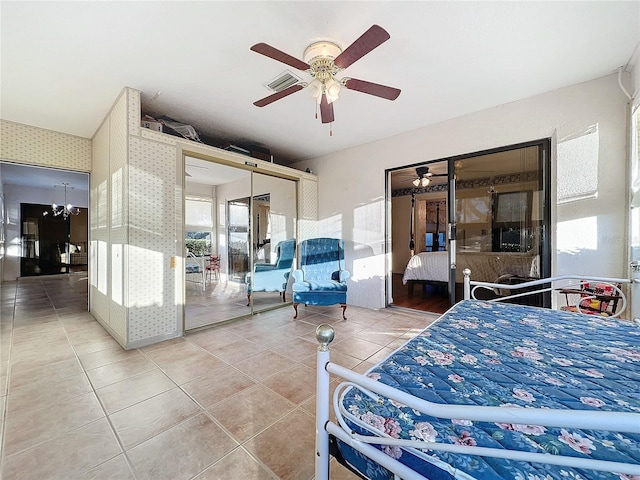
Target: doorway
(497, 224)
(52, 244)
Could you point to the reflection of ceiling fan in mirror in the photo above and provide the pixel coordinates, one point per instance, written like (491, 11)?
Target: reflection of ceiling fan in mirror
(323, 61)
(423, 177)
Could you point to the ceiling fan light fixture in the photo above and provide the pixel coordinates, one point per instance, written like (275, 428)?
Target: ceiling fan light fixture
(332, 90)
(416, 182)
(315, 88)
(425, 181)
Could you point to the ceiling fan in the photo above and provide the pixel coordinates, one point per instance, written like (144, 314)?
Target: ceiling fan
(423, 176)
(323, 61)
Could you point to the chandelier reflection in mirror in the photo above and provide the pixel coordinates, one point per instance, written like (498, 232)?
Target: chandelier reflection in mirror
(65, 209)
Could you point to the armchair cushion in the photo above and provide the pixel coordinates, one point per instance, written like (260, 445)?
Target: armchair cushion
(321, 278)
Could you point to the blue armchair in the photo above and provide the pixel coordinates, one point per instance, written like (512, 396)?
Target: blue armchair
(321, 278)
(272, 277)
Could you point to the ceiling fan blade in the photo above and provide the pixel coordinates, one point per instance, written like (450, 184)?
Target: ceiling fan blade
(278, 95)
(372, 38)
(280, 56)
(382, 91)
(326, 110)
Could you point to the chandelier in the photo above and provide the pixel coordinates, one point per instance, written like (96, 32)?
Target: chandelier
(65, 209)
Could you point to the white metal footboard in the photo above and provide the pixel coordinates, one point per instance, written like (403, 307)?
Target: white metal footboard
(545, 285)
(611, 421)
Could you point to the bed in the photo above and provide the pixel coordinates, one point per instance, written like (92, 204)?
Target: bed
(433, 267)
(494, 376)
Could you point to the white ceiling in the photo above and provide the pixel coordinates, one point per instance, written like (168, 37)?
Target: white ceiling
(64, 63)
(42, 178)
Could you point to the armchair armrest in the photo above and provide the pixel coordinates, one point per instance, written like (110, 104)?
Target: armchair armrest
(340, 276)
(298, 276)
(263, 267)
(344, 274)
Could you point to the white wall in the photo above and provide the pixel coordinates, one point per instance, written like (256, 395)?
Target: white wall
(14, 195)
(355, 210)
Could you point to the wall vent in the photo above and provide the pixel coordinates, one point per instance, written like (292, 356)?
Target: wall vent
(282, 81)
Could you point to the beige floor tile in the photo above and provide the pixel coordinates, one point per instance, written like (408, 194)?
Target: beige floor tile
(40, 394)
(363, 367)
(238, 351)
(144, 420)
(89, 333)
(380, 355)
(166, 343)
(296, 384)
(337, 356)
(191, 367)
(287, 447)
(357, 347)
(65, 456)
(338, 472)
(220, 382)
(264, 365)
(41, 360)
(251, 411)
(133, 390)
(296, 349)
(239, 464)
(95, 345)
(53, 371)
(114, 469)
(213, 338)
(118, 371)
(380, 336)
(187, 449)
(105, 357)
(25, 429)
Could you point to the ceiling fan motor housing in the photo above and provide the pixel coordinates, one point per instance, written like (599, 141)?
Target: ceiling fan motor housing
(320, 56)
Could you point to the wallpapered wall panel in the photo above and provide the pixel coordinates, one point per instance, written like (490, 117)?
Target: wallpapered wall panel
(117, 218)
(99, 302)
(37, 146)
(308, 211)
(152, 202)
(133, 101)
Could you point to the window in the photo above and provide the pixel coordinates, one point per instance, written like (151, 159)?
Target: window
(578, 166)
(199, 225)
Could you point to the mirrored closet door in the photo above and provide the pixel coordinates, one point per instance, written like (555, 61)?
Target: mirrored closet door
(240, 241)
(273, 227)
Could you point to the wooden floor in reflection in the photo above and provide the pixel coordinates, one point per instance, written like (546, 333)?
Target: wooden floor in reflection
(428, 298)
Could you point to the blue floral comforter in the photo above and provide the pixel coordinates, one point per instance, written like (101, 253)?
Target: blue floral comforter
(493, 354)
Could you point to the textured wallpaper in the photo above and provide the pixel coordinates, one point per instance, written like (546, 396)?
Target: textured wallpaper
(37, 146)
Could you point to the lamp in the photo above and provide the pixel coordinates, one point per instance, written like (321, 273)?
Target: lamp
(66, 209)
(424, 181)
(330, 88)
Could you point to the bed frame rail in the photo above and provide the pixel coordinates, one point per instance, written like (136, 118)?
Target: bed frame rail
(582, 419)
(546, 285)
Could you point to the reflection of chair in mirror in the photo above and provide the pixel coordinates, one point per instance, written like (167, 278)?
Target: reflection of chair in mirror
(268, 277)
(213, 267)
(321, 279)
(194, 266)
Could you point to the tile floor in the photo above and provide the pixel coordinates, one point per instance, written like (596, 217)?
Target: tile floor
(232, 402)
